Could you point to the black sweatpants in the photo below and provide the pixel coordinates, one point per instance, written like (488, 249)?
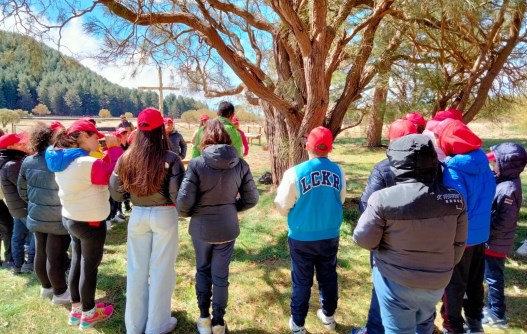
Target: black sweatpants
(51, 260)
(86, 256)
(6, 230)
(466, 279)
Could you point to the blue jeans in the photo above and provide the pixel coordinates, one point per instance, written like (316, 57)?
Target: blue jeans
(374, 322)
(18, 240)
(212, 269)
(494, 276)
(152, 250)
(405, 310)
(308, 258)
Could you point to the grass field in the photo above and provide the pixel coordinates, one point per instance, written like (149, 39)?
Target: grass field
(260, 284)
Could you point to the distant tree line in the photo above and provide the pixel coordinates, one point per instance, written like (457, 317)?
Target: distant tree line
(32, 74)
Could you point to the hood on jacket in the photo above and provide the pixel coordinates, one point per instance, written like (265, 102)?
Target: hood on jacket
(58, 160)
(456, 138)
(511, 159)
(220, 156)
(413, 158)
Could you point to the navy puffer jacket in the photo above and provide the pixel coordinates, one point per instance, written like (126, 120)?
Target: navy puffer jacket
(511, 159)
(381, 177)
(217, 185)
(10, 161)
(37, 186)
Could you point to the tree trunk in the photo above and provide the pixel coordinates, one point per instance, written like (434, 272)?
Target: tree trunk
(286, 149)
(378, 109)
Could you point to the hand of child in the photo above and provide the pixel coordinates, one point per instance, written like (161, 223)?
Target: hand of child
(111, 141)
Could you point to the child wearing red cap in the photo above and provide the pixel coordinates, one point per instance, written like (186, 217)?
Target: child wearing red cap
(466, 169)
(508, 161)
(13, 151)
(217, 185)
(245, 142)
(177, 142)
(152, 240)
(83, 183)
(311, 195)
(202, 120)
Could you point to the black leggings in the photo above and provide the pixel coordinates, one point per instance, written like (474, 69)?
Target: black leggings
(86, 256)
(51, 259)
(6, 230)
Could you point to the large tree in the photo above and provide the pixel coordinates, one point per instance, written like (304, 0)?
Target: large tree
(285, 53)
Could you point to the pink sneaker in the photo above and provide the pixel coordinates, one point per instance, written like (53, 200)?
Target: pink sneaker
(96, 315)
(76, 314)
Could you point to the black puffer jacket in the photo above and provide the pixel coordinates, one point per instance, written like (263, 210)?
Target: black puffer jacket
(418, 227)
(381, 177)
(209, 193)
(510, 159)
(165, 196)
(10, 162)
(37, 187)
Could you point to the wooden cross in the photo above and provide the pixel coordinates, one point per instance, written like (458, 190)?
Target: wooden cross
(160, 88)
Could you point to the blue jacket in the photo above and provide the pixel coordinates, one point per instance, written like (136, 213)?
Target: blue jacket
(510, 160)
(470, 174)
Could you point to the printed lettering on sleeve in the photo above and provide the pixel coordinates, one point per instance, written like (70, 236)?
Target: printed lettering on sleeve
(321, 178)
(508, 200)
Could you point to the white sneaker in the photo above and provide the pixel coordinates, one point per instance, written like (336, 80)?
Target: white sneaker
(218, 329)
(108, 225)
(328, 322)
(204, 326)
(62, 299)
(296, 329)
(522, 250)
(46, 293)
(173, 324)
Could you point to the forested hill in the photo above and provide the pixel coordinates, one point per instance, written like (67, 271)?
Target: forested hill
(33, 73)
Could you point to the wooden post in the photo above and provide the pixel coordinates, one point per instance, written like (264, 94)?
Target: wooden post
(160, 89)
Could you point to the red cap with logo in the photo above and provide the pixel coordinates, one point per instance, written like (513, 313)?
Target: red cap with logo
(400, 128)
(320, 140)
(149, 119)
(56, 125)
(13, 138)
(416, 118)
(84, 125)
(204, 118)
(168, 120)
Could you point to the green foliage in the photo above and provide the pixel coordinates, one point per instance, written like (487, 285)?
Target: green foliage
(9, 116)
(104, 113)
(41, 109)
(174, 106)
(244, 115)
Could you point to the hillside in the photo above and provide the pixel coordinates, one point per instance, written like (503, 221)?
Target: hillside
(32, 73)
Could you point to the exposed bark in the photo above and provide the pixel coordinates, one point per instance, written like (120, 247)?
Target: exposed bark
(378, 109)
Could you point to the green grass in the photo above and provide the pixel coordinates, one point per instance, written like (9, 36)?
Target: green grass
(260, 283)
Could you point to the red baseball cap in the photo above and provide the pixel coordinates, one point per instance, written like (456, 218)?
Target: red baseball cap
(131, 136)
(416, 118)
(234, 120)
(13, 138)
(149, 119)
(449, 113)
(456, 138)
(400, 128)
(168, 120)
(56, 125)
(320, 140)
(84, 125)
(119, 132)
(204, 118)
(491, 156)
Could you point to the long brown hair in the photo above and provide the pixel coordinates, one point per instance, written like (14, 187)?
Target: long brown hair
(40, 137)
(61, 139)
(142, 167)
(214, 133)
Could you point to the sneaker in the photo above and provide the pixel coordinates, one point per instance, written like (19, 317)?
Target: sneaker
(27, 268)
(62, 299)
(119, 218)
(522, 250)
(173, 324)
(204, 326)
(16, 270)
(108, 225)
(296, 329)
(362, 330)
(218, 329)
(94, 316)
(328, 322)
(76, 314)
(46, 293)
(474, 326)
(491, 320)
(9, 265)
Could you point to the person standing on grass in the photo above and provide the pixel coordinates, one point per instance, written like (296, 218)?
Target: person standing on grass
(83, 192)
(13, 150)
(126, 124)
(152, 240)
(380, 177)
(177, 142)
(217, 185)
(6, 230)
(202, 120)
(466, 169)
(225, 115)
(37, 187)
(245, 143)
(508, 161)
(311, 195)
(417, 230)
